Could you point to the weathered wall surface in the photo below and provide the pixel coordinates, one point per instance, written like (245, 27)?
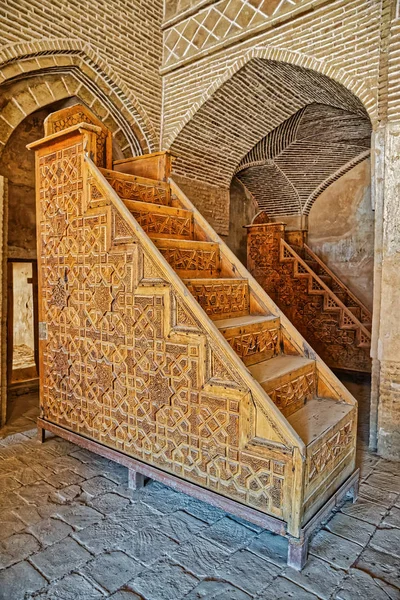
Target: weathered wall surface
(243, 208)
(341, 230)
(17, 164)
(124, 34)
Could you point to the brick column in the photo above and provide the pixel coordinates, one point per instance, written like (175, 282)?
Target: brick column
(385, 404)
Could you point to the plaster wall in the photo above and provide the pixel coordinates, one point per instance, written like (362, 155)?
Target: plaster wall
(341, 230)
(23, 305)
(243, 208)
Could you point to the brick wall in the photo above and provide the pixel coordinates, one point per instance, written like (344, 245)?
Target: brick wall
(340, 38)
(222, 94)
(124, 35)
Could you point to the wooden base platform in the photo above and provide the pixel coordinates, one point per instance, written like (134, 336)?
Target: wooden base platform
(297, 547)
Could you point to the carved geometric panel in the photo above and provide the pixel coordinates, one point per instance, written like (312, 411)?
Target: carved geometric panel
(331, 450)
(124, 362)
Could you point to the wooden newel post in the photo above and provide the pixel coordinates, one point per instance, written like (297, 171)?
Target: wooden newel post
(263, 252)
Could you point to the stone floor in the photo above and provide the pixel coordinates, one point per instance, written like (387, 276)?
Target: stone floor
(71, 530)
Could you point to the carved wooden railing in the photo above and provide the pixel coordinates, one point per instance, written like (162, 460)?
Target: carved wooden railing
(332, 329)
(331, 303)
(339, 287)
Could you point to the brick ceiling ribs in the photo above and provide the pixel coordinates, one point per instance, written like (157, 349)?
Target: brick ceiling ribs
(250, 107)
(292, 165)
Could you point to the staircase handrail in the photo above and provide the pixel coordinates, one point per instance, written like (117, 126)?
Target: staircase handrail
(332, 295)
(264, 300)
(338, 281)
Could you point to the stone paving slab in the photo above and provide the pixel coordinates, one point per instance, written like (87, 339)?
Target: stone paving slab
(318, 577)
(164, 581)
(71, 529)
(19, 580)
(351, 529)
(112, 570)
(338, 551)
(359, 584)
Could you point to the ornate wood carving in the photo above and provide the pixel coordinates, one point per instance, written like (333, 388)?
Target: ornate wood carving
(340, 290)
(125, 363)
(164, 222)
(291, 395)
(255, 345)
(189, 260)
(326, 455)
(139, 189)
(222, 297)
(68, 117)
(131, 362)
(321, 317)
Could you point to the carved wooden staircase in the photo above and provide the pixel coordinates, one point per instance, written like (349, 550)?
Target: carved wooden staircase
(332, 319)
(159, 349)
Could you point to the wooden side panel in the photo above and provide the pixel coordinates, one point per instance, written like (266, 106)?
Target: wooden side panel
(329, 459)
(125, 362)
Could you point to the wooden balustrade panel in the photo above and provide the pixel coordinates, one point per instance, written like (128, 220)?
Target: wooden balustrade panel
(124, 361)
(303, 300)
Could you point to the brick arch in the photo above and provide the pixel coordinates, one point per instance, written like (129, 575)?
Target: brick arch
(356, 87)
(250, 104)
(126, 117)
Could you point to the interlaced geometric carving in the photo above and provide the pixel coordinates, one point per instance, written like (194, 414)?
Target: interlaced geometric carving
(134, 190)
(328, 453)
(164, 225)
(316, 312)
(74, 115)
(248, 344)
(219, 298)
(125, 363)
(182, 259)
(291, 395)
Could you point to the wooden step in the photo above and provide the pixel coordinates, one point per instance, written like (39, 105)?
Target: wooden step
(254, 338)
(289, 380)
(140, 189)
(191, 258)
(221, 298)
(318, 416)
(162, 221)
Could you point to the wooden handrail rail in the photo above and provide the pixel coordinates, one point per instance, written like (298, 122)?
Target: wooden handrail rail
(341, 305)
(337, 280)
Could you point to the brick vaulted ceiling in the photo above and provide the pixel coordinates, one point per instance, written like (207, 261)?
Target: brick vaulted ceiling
(292, 165)
(255, 101)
